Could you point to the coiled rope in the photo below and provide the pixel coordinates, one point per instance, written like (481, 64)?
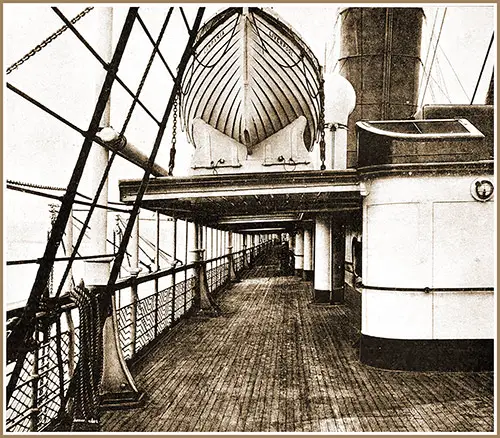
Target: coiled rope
(90, 364)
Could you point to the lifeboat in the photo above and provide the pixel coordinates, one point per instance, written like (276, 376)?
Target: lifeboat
(249, 77)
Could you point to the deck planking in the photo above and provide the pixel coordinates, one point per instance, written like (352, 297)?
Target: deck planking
(275, 362)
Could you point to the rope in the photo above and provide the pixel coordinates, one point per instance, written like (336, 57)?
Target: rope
(454, 72)
(436, 83)
(151, 259)
(45, 187)
(263, 45)
(482, 68)
(434, 54)
(442, 81)
(185, 90)
(308, 86)
(334, 45)
(226, 49)
(47, 41)
(89, 368)
(429, 47)
(106, 171)
(144, 76)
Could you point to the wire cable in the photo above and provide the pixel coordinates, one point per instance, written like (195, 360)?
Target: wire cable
(482, 68)
(434, 54)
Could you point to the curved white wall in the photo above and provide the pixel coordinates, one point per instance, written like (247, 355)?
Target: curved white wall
(427, 231)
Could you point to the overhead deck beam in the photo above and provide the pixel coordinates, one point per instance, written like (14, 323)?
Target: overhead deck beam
(234, 201)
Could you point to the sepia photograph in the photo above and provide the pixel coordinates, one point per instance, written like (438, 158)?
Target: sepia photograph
(249, 218)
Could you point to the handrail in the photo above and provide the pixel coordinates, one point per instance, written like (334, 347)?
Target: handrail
(141, 323)
(65, 301)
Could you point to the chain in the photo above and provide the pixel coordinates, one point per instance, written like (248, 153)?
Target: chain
(47, 41)
(322, 125)
(171, 164)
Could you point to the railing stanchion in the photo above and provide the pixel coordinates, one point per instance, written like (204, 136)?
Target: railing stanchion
(156, 308)
(172, 313)
(157, 268)
(133, 319)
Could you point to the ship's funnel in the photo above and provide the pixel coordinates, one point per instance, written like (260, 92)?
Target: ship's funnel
(380, 57)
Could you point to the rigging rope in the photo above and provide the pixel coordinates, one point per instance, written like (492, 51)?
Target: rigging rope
(89, 368)
(454, 72)
(436, 83)
(106, 171)
(434, 54)
(442, 81)
(47, 41)
(166, 256)
(428, 47)
(185, 90)
(334, 45)
(144, 76)
(482, 68)
(226, 49)
(263, 45)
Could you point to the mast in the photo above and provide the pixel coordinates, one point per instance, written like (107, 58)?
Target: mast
(97, 271)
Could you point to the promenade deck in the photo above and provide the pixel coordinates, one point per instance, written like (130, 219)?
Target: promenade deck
(275, 362)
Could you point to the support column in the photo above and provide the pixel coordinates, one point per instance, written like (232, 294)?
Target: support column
(134, 271)
(252, 251)
(203, 303)
(299, 253)
(322, 259)
(118, 389)
(192, 241)
(245, 253)
(308, 255)
(338, 261)
(232, 271)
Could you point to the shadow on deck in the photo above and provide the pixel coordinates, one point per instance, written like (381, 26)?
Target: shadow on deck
(274, 362)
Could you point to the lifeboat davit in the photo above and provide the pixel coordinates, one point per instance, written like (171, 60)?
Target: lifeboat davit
(249, 77)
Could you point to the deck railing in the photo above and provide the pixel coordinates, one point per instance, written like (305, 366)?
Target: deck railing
(147, 307)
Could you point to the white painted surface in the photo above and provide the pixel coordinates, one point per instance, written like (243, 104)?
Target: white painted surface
(299, 249)
(464, 315)
(397, 315)
(340, 99)
(97, 273)
(463, 244)
(395, 257)
(308, 250)
(427, 232)
(322, 254)
(436, 315)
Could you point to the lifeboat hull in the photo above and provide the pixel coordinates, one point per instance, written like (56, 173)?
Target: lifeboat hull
(249, 77)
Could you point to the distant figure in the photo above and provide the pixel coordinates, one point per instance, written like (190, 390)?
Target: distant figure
(285, 259)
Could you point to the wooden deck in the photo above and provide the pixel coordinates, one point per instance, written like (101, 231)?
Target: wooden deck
(274, 362)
